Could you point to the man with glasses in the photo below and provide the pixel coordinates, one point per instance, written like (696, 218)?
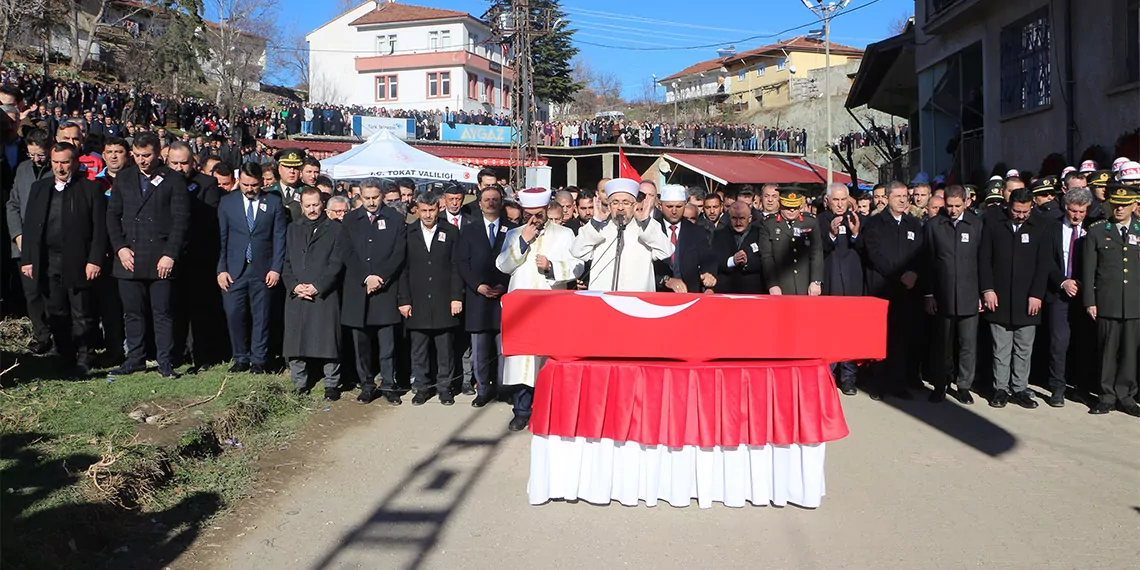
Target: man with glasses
(337, 207)
(621, 241)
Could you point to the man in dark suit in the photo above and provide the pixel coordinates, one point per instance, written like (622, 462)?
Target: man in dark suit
(1063, 289)
(1112, 298)
(147, 218)
(953, 296)
(692, 267)
(453, 212)
(430, 297)
(252, 230)
(1013, 269)
(375, 250)
(737, 253)
(198, 313)
(484, 284)
(65, 243)
(892, 241)
(791, 248)
(27, 173)
(839, 229)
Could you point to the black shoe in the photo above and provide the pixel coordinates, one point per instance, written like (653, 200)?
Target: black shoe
(1024, 399)
(446, 399)
(168, 372)
(1001, 398)
(193, 370)
(366, 395)
(518, 423)
(848, 389)
(393, 398)
(468, 390)
(421, 397)
(1101, 409)
(877, 396)
(964, 396)
(332, 394)
(239, 367)
(937, 396)
(39, 347)
(79, 371)
(258, 369)
(1056, 399)
(126, 369)
(482, 400)
(1130, 408)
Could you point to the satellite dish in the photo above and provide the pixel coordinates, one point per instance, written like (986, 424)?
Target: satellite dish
(664, 167)
(792, 69)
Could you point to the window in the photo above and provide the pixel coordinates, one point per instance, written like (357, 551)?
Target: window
(433, 40)
(1132, 42)
(472, 86)
(386, 45)
(760, 70)
(439, 84)
(1026, 68)
(488, 92)
(474, 42)
(781, 64)
(507, 96)
(386, 88)
(445, 39)
(740, 76)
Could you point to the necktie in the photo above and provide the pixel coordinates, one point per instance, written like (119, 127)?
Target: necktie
(955, 222)
(371, 218)
(249, 222)
(491, 233)
(1072, 246)
(455, 221)
(1123, 232)
(673, 240)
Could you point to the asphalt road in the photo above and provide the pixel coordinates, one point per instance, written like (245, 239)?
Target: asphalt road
(915, 485)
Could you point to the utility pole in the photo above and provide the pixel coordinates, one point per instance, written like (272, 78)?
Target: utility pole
(516, 24)
(826, 11)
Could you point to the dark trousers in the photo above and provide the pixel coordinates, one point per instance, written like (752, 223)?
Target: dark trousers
(198, 318)
(1057, 319)
(137, 295)
(844, 373)
(487, 355)
(889, 374)
(425, 345)
(110, 310)
(523, 400)
(954, 351)
(37, 309)
(367, 341)
(1119, 343)
(462, 367)
(71, 317)
(248, 301)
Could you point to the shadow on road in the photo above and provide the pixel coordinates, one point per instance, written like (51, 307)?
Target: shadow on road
(958, 422)
(413, 515)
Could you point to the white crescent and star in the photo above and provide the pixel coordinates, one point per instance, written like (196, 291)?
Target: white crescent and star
(637, 308)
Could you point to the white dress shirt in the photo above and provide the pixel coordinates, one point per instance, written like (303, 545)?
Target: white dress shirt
(428, 235)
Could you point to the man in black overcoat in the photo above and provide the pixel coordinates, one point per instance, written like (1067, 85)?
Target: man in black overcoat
(430, 297)
(1013, 269)
(312, 274)
(375, 251)
(479, 246)
(839, 234)
(147, 218)
(737, 254)
(65, 242)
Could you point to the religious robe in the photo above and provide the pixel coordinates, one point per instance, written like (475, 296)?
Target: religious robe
(644, 243)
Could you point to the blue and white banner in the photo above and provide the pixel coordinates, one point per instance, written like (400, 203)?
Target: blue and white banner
(367, 126)
(475, 133)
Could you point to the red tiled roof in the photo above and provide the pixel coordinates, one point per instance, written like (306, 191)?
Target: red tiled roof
(389, 12)
(754, 169)
(480, 156)
(800, 43)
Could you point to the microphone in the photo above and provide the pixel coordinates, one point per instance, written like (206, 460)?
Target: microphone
(620, 220)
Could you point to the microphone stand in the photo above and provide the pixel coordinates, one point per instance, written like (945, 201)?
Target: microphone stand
(620, 222)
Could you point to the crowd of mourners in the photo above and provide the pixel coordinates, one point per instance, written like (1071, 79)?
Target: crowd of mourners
(707, 135)
(887, 136)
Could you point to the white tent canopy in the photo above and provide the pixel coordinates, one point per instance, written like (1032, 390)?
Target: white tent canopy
(385, 156)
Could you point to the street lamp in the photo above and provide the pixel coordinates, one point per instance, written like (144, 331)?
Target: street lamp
(826, 11)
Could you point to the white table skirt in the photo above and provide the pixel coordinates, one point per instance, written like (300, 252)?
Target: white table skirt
(603, 470)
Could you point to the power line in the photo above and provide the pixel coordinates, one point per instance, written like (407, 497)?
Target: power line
(726, 42)
(593, 26)
(587, 34)
(627, 18)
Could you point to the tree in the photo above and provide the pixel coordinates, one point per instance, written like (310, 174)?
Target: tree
(236, 48)
(16, 15)
(899, 24)
(552, 54)
(292, 57)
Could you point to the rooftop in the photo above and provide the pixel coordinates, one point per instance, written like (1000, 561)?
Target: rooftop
(391, 12)
(799, 43)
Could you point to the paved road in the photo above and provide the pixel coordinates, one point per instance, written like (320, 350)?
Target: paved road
(914, 486)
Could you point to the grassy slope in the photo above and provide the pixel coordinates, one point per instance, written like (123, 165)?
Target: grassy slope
(172, 479)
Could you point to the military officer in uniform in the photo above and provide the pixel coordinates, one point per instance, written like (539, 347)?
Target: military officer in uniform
(1045, 198)
(1111, 295)
(288, 186)
(791, 248)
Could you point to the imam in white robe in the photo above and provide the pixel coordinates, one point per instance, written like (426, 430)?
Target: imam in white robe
(644, 243)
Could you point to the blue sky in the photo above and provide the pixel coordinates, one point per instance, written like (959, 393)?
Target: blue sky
(639, 28)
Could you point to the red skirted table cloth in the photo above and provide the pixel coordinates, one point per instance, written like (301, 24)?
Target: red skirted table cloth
(731, 432)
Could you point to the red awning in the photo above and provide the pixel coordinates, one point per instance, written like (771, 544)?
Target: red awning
(742, 169)
(478, 156)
